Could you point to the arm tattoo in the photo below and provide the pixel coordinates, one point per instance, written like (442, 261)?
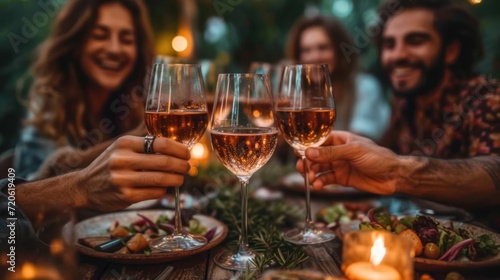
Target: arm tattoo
(491, 165)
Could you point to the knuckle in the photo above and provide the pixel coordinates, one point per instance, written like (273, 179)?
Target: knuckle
(127, 195)
(114, 161)
(114, 179)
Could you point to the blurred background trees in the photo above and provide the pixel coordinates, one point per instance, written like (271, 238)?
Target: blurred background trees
(229, 33)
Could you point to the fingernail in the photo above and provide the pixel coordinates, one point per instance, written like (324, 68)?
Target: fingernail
(313, 152)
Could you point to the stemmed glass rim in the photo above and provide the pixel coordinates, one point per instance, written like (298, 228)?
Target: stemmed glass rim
(247, 75)
(306, 65)
(178, 64)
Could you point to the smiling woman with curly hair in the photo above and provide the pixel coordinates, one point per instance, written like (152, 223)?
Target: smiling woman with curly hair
(88, 85)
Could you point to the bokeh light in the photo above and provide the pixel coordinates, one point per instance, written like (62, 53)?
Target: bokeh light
(198, 151)
(179, 43)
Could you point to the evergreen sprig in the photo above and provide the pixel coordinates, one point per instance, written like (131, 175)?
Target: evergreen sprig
(267, 221)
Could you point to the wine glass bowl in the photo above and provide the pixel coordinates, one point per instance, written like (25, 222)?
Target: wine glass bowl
(306, 115)
(176, 108)
(244, 137)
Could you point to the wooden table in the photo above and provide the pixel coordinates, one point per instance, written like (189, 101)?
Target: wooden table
(324, 258)
(200, 267)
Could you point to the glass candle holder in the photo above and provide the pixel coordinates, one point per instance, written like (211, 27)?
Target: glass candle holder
(376, 255)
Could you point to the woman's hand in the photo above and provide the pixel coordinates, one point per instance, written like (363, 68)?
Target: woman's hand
(123, 174)
(351, 160)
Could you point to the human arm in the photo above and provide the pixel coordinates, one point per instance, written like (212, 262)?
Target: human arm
(120, 176)
(360, 163)
(67, 158)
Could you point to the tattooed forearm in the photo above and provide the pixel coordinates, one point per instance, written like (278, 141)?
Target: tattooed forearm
(473, 181)
(491, 165)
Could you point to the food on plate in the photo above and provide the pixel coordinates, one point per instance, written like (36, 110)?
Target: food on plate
(432, 239)
(342, 213)
(410, 235)
(137, 243)
(118, 231)
(134, 238)
(431, 251)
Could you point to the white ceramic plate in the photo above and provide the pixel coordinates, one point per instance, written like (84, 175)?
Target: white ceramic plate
(295, 182)
(143, 204)
(97, 226)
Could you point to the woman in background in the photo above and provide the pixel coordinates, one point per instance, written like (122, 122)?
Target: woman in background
(360, 102)
(88, 86)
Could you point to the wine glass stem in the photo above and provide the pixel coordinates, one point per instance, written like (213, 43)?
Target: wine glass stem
(244, 216)
(309, 223)
(178, 222)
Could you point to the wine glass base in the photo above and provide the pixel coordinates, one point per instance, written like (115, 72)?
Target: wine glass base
(178, 243)
(235, 261)
(311, 236)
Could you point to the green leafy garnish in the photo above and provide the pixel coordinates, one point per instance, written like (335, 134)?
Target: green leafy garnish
(267, 222)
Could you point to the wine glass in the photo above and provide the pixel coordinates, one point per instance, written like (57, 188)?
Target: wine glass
(244, 137)
(305, 110)
(176, 108)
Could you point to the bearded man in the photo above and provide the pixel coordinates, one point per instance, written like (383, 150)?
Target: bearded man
(441, 108)
(445, 129)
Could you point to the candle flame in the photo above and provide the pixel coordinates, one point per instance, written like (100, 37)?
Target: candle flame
(28, 271)
(378, 251)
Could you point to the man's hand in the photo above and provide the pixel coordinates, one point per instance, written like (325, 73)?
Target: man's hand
(355, 161)
(123, 174)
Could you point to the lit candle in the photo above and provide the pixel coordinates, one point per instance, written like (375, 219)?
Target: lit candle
(373, 270)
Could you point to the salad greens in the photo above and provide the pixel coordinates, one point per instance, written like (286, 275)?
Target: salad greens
(453, 243)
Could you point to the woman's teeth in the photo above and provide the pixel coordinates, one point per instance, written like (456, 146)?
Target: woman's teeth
(109, 65)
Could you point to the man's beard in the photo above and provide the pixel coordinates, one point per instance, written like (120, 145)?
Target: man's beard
(430, 80)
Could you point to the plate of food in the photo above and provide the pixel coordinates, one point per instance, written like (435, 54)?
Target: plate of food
(295, 182)
(124, 237)
(438, 244)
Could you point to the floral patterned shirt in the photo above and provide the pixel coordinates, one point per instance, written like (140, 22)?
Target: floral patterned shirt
(464, 122)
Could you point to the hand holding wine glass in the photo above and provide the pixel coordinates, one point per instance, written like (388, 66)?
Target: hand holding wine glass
(176, 108)
(244, 138)
(306, 115)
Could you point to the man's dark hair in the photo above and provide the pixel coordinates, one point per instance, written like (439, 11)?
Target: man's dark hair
(452, 22)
